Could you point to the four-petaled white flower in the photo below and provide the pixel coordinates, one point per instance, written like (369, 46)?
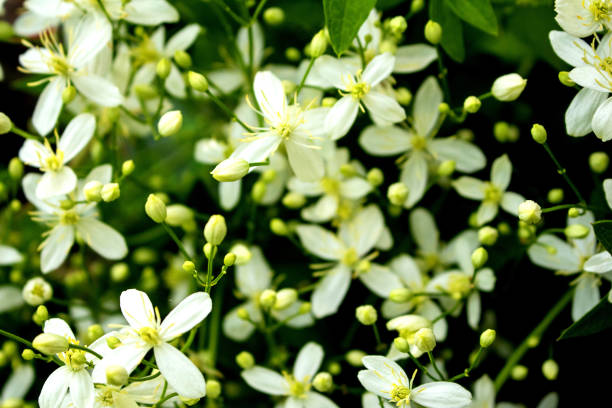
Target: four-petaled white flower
(147, 331)
(583, 17)
(295, 386)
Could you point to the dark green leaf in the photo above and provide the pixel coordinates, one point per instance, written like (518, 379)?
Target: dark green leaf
(452, 30)
(343, 19)
(596, 320)
(478, 13)
(603, 231)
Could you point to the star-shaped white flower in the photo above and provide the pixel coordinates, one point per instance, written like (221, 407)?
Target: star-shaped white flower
(582, 18)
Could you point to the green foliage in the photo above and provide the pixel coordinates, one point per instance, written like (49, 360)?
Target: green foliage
(595, 321)
(478, 13)
(452, 30)
(343, 19)
(603, 231)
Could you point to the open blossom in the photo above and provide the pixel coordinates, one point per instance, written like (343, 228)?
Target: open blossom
(582, 18)
(68, 66)
(293, 126)
(147, 331)
(357, 87)
(59, 179)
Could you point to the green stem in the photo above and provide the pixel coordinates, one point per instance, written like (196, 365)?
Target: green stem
(376, 335)
(177, 241)
(23, 133)
(303, 81)
(435, 366)
(448, 312)
(258, 10)
(187, 344)
(229, 11)
(422, 367)
(563, 172)
(133, 116)
(467, 371)
(563, 207)
(215, 323)
(227, 110)
(515, 358)
(87, 350)
(442, 75)
(145, 378)
(16, 338)
(211, 258)
(361, 52)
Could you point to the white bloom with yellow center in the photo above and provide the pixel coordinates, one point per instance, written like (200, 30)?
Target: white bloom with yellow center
(59, 179)
(295, 386)
(388, 380)
(582, 18)
(147, 331)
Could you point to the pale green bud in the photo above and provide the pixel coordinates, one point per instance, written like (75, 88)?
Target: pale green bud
(403, 96)
(400, 295)
(119, 272)
(398, 25)
(116, 375)
(348, 170)
(213, 389)
(416, 6)
(433, 32)
(479, 257)
(294, 200)
(328, 102)
(188, 266)
(259, 191)
(15, 205)
(163, 68)
(386, 46)
(178, 215)
(274, 16)
(519, 372)
(245, 360)
(334, 368)
(6, 31)
(155, 208)
(292, 54)
(170, 123)
(113, 342)
(446, 168)
(50, 344)
(110, 192)
(354, 357)
(145, 91)
(243, 313)
(487, 338)
(268, 176)
(285, 298)
(305, 308)
(366, 315)
(323, 382)
(197, 81)
(318, 45)
(401, 344)
(538, 132)
(375, 177)
(444, 108)
(28, 354)
(215, 229)
(189, 401)
(10, 348)
(15, 168)
(127, 167)
(533, 341)
(555, 196)
(488, 235)
(425, 340)
(472, 104)
(5, 124)
(182, 59)
(231, 169)
(565, 79)
(550, 369)
(267, 298)
(278, 227)
(530, 212)
(576, 231)
(573, 212)
(501, 131)
(94, 332)
(68, 94)
(243, 254)
(41, 315)
(508, 87)
(397, 193)
(599, 161)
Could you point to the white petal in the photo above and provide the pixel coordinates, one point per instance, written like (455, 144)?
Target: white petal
(607, 186)
(186, 315)
(48, 106)
(330, 291)
(316, 400)
(414, 175)
(19, 383)
(426, 102)
(424, 230)
(308, 361)
(9, 255)
(511, 201)
(599, 263)
(182, 39)
(589, 77)
(413, 58)
(270, 95)
(580, 112)
(375, 383)
(378, 69)
(82, 389)
(485, 280)
(229, 194)
(175, 84)
(362, 232)
(551, 400)
(386, 368)
(569, 48)
(305, 161)
(602, 121)
(150, 12)
(383, 109)
(30, 24)
(11, 299)
(103, 239)
(137, 309)
(380, 280)
(355, 188)
(237, 328)
(341, 117)
(385, 141)
(34, 60)
(585, 247)
(487, 211)
(323, 210)
(469, 187)
(184, 377)
(242, 42)
(54, 389)
(320, 242)
(255, 275)
(441, 395)
(333, 70)
(575, 18)
(563, 256)
(586, 296)
(468, 158)
(77, 134)
(92, 33)
(210, 151)
(501, 172)
(56, 247)
(266, 381)
(59, 327)
(259, 149)
(473, 309)
(54, 183)
(33, 152)
(98, 90)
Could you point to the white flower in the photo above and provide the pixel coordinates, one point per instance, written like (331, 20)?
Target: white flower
(348, 252)
(357, 87)
(582, 18)
(88, 38)
(418, 145)
(579, 256)
(146, 331)
(295, 386)
(66, 223)
(582, 115)
(484, 396)
(37, 291)
(388, 380)
(252, 278)
(492, 193)
(9, 255)
(17, 386)
(58, 178)
(296, 128)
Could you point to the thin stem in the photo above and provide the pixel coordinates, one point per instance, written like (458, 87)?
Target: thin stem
(467, 371)
(16, 338)
(213, 339)
(177, 241)
(448, 312)
(231, 12)
(433, 363)
(108, 17)
(23, 133)
(258, 10)
(303, 81)
(225, 109)
(209, 269)
(132, 115)
(88, 350)
(187, 344)
(442, 75)
(145, 378)
(537, 333)
(422, 367)
(563, 207)
(563, 172)
(361, 52)
(376, 335)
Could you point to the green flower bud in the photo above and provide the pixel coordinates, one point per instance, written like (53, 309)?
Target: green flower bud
(37, 291)
(375, 177)
(113, 342)
(259, 191)
(599, 161)
(119, 272)
(116, 375)
(366, 315)
(501, 131)
(487, 338)
(425, 340)
(444, 108)
(94, 332)
(446, 168)
(573, 212)
(41, 315)
(156, 209)
(68, 94)
(354, 357)
(530, 212)
(182, 59)
(170, 123)
(215, 229)
(555, 196)
(401, 344)
(576, 231)
(10, 348)
(245, 360)
(565, 79)
(328, 102)
(285, 298)
(433, 32)
(533, 341)
(15, 168)
(28, 354)
(538, 133)
(305, 308)
(318, 45)
(508, 87)
(479, 257)
(127, 167)
(229, 259)
(179, 215)
(323, 382)
(197, 81)
(334, 368)
(243, 313)
(274, 16)
(6, 31)
(110, 192)
(5, 124)
(294, 200)
(488, 235)
(267, 298)
(386, 46)
(403, 96)
(398, 25)
(397, 193)
(293, 54)
(188, 266)
(50, 344)
(519, 372)
(550, 369)
(231, 169)
(416, 6)
(213, 389)
(145, 91)
(278, 227)
(163, 68)
(472, 104)
(243, 254)
(400, 295)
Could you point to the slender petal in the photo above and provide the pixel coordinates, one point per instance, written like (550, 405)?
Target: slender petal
(187, 314)
(56, 247)
(308, 361)
(330, 291)
(266, 381)
(103, 239)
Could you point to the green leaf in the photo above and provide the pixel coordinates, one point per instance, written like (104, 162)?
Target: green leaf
(452, 30)
(478, 13)
(596, 320)
(343, 19)
(603, 231)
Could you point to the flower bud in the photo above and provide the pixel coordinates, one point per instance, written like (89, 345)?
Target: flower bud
(163, 68)
(49, 344)
(274, 16)
(259, 191)
(555, 196)
(323, 382)
(318, 44)
(385, 46)
(444, 108)
(37, 291)
(416, 6)
(145, 91)
(565, 79)
(530, 212)
(113, 342)
(267, 298)
(278, 227)
(573, 212)
(119, 272)
(292, 54)
(487, 338)
(375, 177)
(398, 25)
(354, 357)
(328, 102)
(403, 96)
(116, 375)
(215, 229)
(179, 215)
(366, 315)
(245, 360)
(231, 169)
(400, 295)
(182, 59)
(519, 372)
(397, 193)
(15, 168)
(576, 231)
(110, 192)
(93, 191)
(433, 32)
(538, 132)
(305, 308)
(508, 87)
(68, 94)
(294, 200)
(170, 123)
(243, 313)
(127, 167)
(243, 254)
(213, 389)
(599, 161)
(550, 369)
(334, 368)
(479, 257)
(229, 259)
(28, 354)
(472, 104)
(40, 315)
(488, 235)
(401, 344)
(15, 205)
(94, 332)
(156, 209)
(425, 340)
(197, 81)
(446, 168)
(285, 298)
(5, 124)
(268, 176)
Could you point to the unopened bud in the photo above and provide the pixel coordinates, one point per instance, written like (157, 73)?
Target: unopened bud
(278, 227)
(243, 254)
(49, 344)
(397, 193)
(508, 87)
(573, 212)
(231, 169)
(550, 369)
(155, 208)
(245, 360)
(197, 81)
(213, 389)
(400, 295)
(401, 344)
(599, 161)
(15, 168)
(425, 339)
(285, 298)
(479, 257)
(472, 104)
(354, 357)
(292, 54)
(113, 342)
(294, 200)
(366, 315)
(323, 382)
(127, 167)
(446, 168)
(243, 314)
(565, 79)
(37, 291)
(576, 231)
(318, 45)
(116, 375)
(41, 315)
(274, 16)
(268, 176)
(145, 91)
(170, 123)
(188, 266)
(93, 190)
(328, 102)
(403, 96)
(215, 229)
(259, 191)
(5, 124)
(229, 259)
(68, 94)
(538, 132)
(530, 212)
(163, 68)
(182, 59)
(267, 299)
(110, 192)
(555, 196)
(488, 235)
(28, 354)
(444, 108)
(375, 177)
(433, 32)
(305, 308)
(398, 25)
(94, 332)
(519, 372)
(487, 338)
(119, 272)
(416, 6)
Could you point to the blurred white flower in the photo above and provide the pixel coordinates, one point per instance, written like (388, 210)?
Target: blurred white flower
(582, 18)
